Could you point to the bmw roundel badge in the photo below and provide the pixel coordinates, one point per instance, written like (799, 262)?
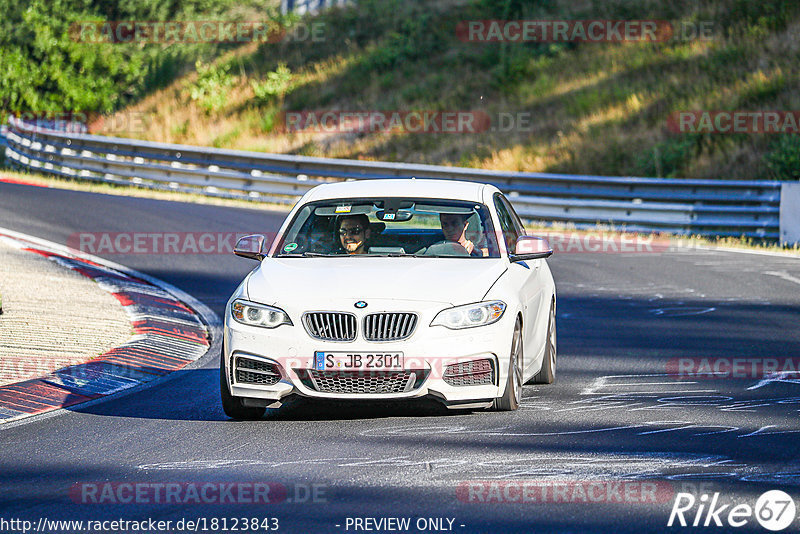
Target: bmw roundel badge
(360, 304)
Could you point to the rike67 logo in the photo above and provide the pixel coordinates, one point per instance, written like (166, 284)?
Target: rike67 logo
(774, 510)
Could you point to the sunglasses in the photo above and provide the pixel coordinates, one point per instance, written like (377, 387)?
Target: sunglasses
(351, 231)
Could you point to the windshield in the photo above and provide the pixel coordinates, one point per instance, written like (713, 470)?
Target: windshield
(391, 227)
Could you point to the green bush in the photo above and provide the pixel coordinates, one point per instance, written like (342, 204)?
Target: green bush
(667, 158)
(210, 88)
(45, 67)
(44, 70)
(783, 161)
(274, 87)
(224, 140)
(268, 119)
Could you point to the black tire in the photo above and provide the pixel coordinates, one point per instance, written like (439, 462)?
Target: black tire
(232, 406)
(547, 375)
(513, 392)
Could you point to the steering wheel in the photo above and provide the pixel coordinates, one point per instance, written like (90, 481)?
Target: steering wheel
(446, 248)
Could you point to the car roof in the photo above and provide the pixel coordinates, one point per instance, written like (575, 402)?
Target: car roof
(400, 187)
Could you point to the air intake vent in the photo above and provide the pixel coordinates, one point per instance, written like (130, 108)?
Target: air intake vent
(369, 382)
(472, 373)
(330, 326)
(389, 326)
(249, 371)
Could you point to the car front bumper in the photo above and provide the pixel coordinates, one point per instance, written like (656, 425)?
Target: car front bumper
(427, 354)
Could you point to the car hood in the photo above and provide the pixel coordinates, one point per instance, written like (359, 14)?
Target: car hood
(316, 281)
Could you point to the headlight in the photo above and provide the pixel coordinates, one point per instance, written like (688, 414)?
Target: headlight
(479, 314)
(254, 314)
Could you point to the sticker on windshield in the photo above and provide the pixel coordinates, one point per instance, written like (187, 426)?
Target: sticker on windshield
(344, 209)
(290, 247)
(388, 216)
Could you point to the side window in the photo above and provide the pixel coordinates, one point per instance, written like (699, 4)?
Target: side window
(514, 217)
(507, 224)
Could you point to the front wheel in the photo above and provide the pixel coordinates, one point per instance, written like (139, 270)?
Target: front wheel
(547, 375)
(513, 393)
(232, 406)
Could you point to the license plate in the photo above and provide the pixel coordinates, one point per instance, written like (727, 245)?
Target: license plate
(354, 361)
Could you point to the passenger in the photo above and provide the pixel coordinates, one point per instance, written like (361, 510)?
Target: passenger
(454, 228)
(353, 232)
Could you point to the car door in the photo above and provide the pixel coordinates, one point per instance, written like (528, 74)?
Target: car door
(526, 276)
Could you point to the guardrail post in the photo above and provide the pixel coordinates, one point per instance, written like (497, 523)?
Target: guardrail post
(790, 213)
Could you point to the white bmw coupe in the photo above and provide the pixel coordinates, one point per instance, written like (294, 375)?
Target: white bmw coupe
(391, 289)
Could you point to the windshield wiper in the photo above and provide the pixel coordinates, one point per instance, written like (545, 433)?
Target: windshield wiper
(392, 255)
(307, 255)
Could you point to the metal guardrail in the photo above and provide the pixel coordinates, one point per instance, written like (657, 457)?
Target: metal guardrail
(682, 206)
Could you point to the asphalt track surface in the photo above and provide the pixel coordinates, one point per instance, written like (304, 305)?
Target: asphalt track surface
(616, 413)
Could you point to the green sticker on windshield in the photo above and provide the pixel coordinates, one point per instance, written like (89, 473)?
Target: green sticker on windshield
(290, 247)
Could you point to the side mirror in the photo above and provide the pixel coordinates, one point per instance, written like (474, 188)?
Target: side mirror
(531, 248)
(250, 246)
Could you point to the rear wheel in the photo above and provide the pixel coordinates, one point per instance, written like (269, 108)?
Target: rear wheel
(513, 392)
(232, 406)
(547, 375)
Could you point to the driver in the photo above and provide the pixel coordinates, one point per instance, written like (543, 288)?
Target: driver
(353, 232)
(454, 228)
